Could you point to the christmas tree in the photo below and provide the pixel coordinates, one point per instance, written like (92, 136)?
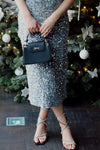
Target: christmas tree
(83, 50)
(12, 72)
(83, 75)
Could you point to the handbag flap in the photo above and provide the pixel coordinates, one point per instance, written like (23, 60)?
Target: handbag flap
(36, 46)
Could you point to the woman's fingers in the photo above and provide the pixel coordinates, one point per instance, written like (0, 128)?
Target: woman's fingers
(32, 25)
(46, 33)
(43, 28)
(34, 28)
(39, 26)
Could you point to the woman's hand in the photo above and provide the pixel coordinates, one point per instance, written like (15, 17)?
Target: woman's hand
(32, 25)
(47, 25)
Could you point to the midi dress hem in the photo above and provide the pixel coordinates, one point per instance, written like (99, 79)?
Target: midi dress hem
(48, 106)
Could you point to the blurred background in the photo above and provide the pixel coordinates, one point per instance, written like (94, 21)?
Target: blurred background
(83, 76)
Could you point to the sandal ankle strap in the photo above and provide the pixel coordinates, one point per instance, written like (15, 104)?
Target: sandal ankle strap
(61, 115)
(65, 124)
(42, 121)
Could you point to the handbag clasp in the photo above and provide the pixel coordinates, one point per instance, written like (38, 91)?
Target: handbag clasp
(36, 48)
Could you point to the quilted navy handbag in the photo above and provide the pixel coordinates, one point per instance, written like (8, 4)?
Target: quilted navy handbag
(36, 52)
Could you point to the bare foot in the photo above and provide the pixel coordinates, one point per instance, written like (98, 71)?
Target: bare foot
(41, 129)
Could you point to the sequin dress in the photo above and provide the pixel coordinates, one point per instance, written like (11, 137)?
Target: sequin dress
(47, 82)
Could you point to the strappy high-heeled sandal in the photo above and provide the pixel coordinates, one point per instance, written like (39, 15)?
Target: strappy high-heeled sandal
(65, 125)
(41, 135)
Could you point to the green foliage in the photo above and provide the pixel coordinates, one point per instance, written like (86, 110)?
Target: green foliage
(97, 103)
(20, 99)
(11, 58)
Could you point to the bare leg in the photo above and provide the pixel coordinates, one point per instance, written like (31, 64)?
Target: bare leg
(58, 110)
(41, 128)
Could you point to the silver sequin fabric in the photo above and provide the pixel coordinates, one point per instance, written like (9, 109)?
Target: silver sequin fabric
(47, 81)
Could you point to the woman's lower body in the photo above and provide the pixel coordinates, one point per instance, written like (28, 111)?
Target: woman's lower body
(47, 82)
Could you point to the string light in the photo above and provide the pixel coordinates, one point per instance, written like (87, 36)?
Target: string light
(79, 72)
(99, 21)
(93, 17)
(68, 41)
(17, 52)
(71, 65)
(9, 31)
(78, 36)
(85, 69)
(9, 45)
(12, 13)
(91, 9)
(84, 9)
(14, 48)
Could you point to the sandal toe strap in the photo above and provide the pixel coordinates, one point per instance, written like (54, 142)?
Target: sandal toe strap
(41, 135)
(69, 142)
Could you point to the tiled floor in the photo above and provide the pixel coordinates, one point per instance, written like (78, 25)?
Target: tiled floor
(84, 123)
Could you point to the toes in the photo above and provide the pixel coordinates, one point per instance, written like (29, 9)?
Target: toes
(73, 146)
(70, 147)
(67, 146)
(36, 140)
(42, 139)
